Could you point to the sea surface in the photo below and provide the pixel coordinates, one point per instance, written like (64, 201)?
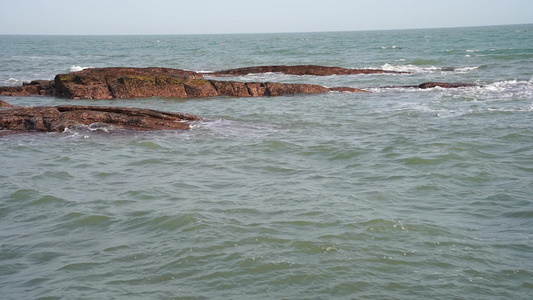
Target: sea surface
(395, 194)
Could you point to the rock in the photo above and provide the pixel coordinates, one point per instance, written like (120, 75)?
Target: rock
(4, 104)
(300, 70)
(428, 85)
(110, 83)
(37, 87)
(57, 118)
(445, 85)
(347, 90)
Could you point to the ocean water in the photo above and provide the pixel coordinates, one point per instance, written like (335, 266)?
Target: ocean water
(395, 194)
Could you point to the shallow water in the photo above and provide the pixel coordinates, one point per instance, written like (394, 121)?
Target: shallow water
(398, 194)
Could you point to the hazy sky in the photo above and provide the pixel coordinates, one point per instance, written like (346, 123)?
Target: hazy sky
(251, 16)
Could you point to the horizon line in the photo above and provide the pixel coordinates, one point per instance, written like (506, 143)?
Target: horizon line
(278, 32)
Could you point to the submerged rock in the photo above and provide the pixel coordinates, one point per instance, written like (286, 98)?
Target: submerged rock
(445, 85)
(58, 118)
(428, 85)
(313, 70)
(110, 83)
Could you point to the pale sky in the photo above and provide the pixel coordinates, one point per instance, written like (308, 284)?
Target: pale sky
(111, 17)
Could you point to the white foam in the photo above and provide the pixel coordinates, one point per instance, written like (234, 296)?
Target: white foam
(390, 47)
(409, 68)
(74, 68)
(426, 69)
(466, 69)
(12, 80)
(498, 91)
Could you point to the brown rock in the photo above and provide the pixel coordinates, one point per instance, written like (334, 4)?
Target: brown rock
(348, 90)
(4, 104)
(44, 89)
(231, 88)
(57, 118)
(445, 85)
(300, 70)
(428, 85)
(257, 89)
(110, 83)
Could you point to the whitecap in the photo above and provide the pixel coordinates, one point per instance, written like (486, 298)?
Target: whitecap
(77, 130)
(498, 91)
(12, 80)
(427, 69)
(408, 68)
(466, 69)
(391, 47)
(75, 68)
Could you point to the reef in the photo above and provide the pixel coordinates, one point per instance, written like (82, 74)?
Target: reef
(313, 70)
(118, 82)
(111, 83)
(58, 118)
(429, 85)
(125, 83)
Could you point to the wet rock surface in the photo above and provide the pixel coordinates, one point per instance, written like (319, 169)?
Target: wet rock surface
(111, 83)
(313, 70)
(58, 118)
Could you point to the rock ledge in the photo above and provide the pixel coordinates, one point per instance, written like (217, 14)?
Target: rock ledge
(58, 118)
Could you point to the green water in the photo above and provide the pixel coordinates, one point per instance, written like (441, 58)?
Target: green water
(398, 194)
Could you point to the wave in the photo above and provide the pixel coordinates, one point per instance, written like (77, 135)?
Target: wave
(85, 131)
(390, 47)
(31, 57)
(235, 128)
(427, 69)
(75, 68)
(504, 90)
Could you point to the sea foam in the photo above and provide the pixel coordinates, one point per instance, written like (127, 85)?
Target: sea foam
(426, 69)
(75, 68)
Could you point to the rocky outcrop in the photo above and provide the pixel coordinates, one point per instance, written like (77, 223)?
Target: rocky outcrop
(313, 70)
(445, 85)
(110, 83)
(428, 85)
(36, 87)
(58, 118)
(4, 104)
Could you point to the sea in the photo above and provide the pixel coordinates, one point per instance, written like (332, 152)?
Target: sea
(400, 193)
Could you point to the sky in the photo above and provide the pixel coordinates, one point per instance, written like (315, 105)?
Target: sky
(118, 17)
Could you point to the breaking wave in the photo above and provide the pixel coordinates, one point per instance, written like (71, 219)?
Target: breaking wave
(496, 91)
(427, 69)
(83, 131)
(75, 68)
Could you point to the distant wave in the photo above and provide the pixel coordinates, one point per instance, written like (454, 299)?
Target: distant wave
(427, 69)
(391, 47)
